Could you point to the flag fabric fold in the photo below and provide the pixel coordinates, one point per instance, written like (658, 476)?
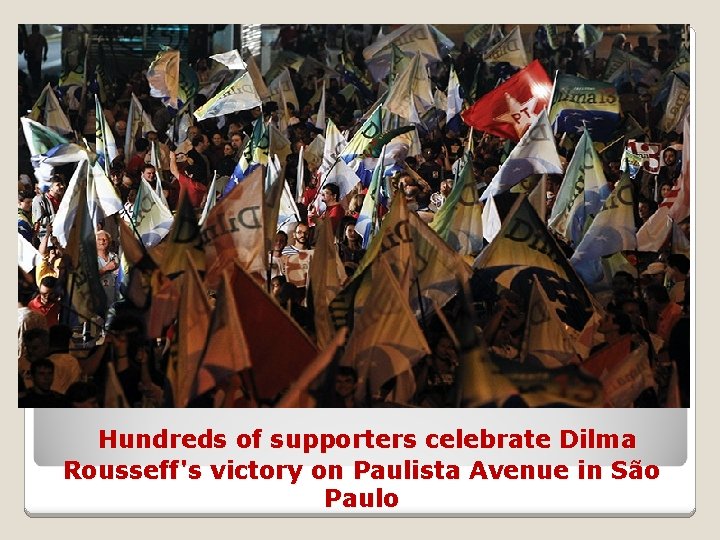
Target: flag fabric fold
(534, 154)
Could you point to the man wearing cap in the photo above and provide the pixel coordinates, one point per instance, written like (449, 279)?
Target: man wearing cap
(654, 273)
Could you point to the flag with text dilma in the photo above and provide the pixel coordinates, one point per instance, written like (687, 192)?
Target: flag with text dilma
(386, 340)
(612, 230)
(524, 248)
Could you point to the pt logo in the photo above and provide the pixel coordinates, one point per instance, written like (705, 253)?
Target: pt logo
(519, 115)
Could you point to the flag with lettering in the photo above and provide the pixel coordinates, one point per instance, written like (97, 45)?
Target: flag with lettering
(282, 89)
(534, 154)
(612, 230)
(581, 194)
(239, 95)
(579, 104)
(523, 248)
(163, 76)
(413, 250)
(371, 128)
(409, 38)
(511, 108)
(335, 143)
(410, 94)
(509, 49)
(47, 111)
(482, 35)
(545, 336)
(677, 103)
(234, 230)
(386, 341)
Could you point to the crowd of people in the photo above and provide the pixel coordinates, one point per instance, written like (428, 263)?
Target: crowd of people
(66, 359)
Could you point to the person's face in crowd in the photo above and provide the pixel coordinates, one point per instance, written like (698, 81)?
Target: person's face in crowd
(328, 196)
(301, 234)
(644, 210)
(152, 137)
(632, 310)
(607, 324)
(193, 132)
(409, 187)
(228, 150)
(149, 174)
(275, 287)
(37, 348)
(205, 144)
(121, 127)
(217, 139)
(446, 187)
(665, 190)
(43, 378)
(444, 350)
(280, 242)
(344, 385)
(350, 233)
(237, 141)
(670, 157)
(127, 181)
(101, 243)
(47, 295)
(26, 204)
(132, 195)
(57, 190)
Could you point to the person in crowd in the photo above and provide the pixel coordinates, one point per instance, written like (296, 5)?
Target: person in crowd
(196, 191)
(350, 245)
(46, 205)
(36, 51)
(108, 264)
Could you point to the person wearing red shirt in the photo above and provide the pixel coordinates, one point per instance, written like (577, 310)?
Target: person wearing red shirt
(46, 302)
(195, 190)
(330, 194)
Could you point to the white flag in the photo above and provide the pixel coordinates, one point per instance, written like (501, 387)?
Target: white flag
(231, 59)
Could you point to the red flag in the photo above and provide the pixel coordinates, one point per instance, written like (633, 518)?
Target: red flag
(609, 358)
(510, 109)
(279, 349)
